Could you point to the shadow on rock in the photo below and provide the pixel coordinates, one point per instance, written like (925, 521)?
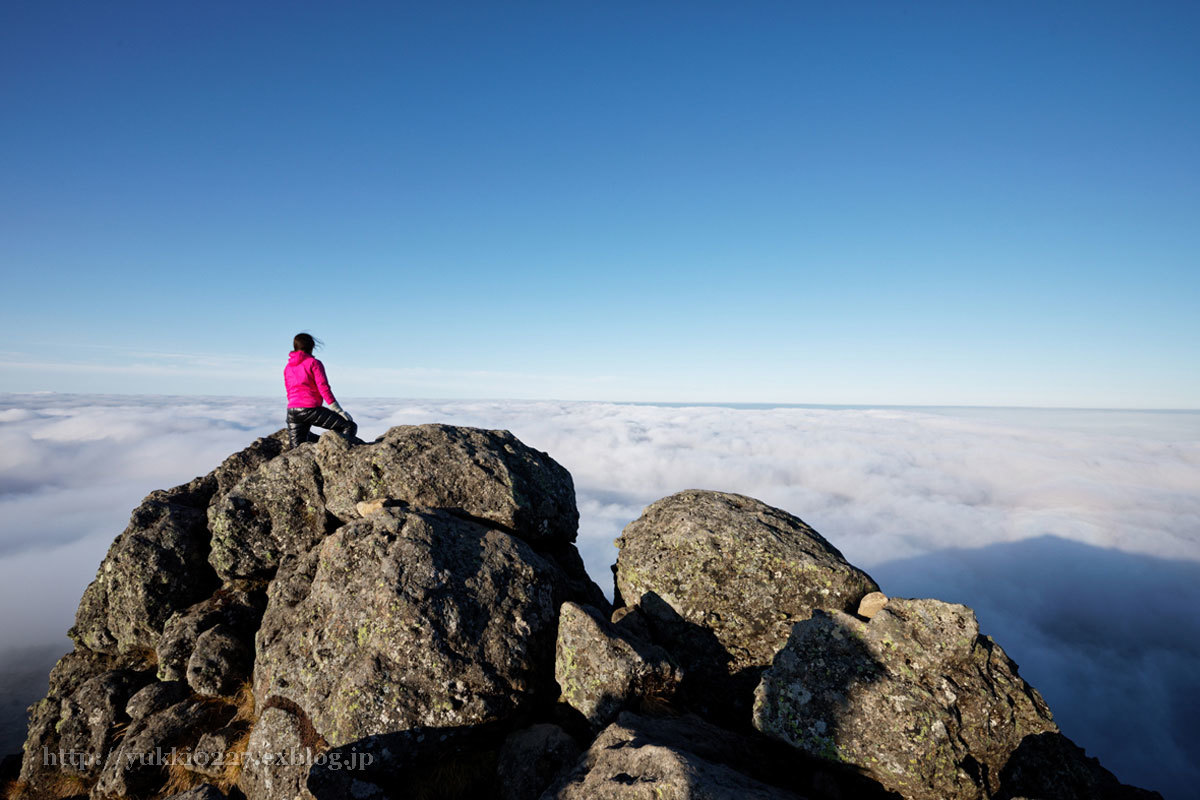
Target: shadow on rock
(1050, 766)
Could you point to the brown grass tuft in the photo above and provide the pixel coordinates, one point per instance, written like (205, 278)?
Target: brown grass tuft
(243, 701)
(64, 784)
(14, 790)
(142, 657)
(180, 779)
(234, 759)
(119, 730)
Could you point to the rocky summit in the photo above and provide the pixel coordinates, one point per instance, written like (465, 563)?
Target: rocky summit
(410, 618)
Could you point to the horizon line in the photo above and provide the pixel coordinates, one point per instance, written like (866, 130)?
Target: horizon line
(679, 403)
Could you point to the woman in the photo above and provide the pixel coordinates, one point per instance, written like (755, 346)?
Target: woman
(304, 377)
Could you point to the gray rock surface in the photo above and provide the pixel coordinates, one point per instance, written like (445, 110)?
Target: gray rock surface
(71, 672)
(721, 578)
(406, 619)
(491, 475)
(629, 760)
(413, 641)
(159, 564)
(155, 697)
(205, 791)
(139, 764)
(88, 720)
(278, 757)
(237, 466)
(156, 567)
(236, 608)
(220, 662)
(209, 756)
(276, 510)
(916, 698)
(601, 669)
(532, 759)
(291, 502)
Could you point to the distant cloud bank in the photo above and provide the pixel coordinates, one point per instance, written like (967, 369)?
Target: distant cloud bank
(1074, 535)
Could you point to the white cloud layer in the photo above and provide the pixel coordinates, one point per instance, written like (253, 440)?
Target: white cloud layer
(1074, 535)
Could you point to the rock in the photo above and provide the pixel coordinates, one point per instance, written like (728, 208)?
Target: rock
(87, 723)
(579, 584)
(491, 475)
(156, 567)
(276, 510)
(289, 503)
(159, 564)
(72, 671)
(1049, 766)
(398, 606)
(632, 622)
(138, 765)
(410, 619)
(365, 507)
(209, 757)
(156, 697)
(237, 609)
(278, 757)
(601, 669)
(871, 603)
(220, 661)
(627, 761)
(205, 791)
(916, 698)
(532, 759)
(737, 574)
(237, 466)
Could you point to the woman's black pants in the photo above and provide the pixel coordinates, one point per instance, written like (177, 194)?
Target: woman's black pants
(301, 420)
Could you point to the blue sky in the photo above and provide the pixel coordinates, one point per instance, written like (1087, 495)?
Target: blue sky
(773, 202)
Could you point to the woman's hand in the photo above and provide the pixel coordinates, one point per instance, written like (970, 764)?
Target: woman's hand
(337, 408)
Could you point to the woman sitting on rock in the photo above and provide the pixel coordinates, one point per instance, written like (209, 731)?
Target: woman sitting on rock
(304, 377)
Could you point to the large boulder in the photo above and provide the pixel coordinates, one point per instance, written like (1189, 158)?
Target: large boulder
(88, 721)
(220, 662)
(280, 753)
(491, 475)
(289, 503)
(916, 698)
(407, 619)
(234, 608)
(275, 511)
(722, 578)
(139, 765)
(602, 669)
(68, 675)
(156, 567)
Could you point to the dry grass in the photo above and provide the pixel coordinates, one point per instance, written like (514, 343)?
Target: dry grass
(63, 784)
(243, 701)
(180, 779)
(234, 759)
(15, 790)
(239, 713)
(142, 657)
(118, 732)
(244, 717)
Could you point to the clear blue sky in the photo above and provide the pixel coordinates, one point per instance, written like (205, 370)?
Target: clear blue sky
(778, 202)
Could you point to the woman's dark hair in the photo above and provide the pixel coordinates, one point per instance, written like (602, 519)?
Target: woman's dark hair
(306, 342)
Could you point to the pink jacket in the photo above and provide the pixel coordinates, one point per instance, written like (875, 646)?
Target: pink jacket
(304, 377)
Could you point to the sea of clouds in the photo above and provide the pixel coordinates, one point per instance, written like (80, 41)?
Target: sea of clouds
(1075, 535)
